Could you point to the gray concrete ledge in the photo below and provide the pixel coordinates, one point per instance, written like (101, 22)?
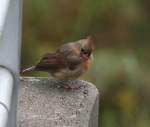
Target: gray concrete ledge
(42, 103)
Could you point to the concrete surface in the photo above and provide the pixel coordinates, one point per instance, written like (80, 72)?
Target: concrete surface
(43, 103)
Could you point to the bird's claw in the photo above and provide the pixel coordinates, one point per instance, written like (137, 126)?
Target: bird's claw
(71, 87)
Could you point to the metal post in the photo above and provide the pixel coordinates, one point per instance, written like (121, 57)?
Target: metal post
(6, 87)
(10, 34)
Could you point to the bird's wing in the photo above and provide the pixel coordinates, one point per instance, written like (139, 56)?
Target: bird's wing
(73, 61)
(51, 62)
(71, 52)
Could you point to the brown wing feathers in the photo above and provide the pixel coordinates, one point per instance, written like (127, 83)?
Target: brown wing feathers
(51, 62)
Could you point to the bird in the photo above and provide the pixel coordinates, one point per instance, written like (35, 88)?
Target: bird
(68, 62)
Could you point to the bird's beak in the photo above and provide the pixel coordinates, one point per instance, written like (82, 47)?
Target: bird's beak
(85, 56)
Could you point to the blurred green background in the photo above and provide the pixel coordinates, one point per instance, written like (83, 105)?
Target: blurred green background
(121, 59)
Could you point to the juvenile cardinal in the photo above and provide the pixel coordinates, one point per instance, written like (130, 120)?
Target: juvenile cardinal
(69, 61)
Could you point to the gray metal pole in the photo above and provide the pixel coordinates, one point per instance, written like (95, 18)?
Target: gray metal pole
(10, 34)
(10, 37)
(6, 87)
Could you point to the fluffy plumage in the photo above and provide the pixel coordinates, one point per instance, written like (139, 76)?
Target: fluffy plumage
(68, 62)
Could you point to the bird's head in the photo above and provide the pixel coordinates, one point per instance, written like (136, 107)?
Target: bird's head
(87, 47)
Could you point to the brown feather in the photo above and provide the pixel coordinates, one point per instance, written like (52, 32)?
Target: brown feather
(86, 64)
(51, 62)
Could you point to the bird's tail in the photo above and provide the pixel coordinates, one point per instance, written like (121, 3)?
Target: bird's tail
(27, 69)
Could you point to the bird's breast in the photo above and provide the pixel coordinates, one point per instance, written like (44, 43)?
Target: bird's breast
(67, 74)
(86, 64)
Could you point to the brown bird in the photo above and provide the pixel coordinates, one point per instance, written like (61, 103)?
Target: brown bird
(69, 62)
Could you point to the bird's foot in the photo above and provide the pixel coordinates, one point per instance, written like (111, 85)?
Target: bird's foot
(71, 87)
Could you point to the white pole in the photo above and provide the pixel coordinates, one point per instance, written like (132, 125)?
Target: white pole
(6, 87)
(10, 34)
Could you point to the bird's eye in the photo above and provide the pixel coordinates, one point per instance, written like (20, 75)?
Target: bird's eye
(82, 50)
(85, 52)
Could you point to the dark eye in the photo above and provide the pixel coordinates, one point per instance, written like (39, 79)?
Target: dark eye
(82, 50)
